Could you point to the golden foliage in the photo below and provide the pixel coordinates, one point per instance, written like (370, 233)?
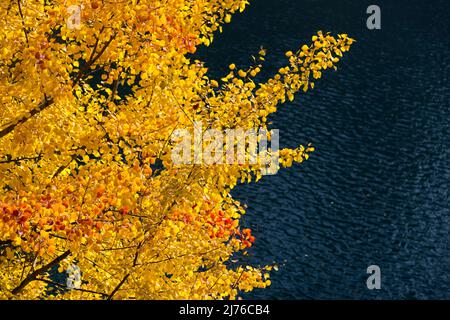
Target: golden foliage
(85, 114)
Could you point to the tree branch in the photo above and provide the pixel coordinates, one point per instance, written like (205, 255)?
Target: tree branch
(23, 21)
(136, 255)
(47, 102)
(17, 160)
(76, 289)
(118, 287)
(33, 276)
(42, 106)
(5, 243)
(93, 59)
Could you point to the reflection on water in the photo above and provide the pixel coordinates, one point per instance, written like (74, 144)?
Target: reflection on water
(376, 191)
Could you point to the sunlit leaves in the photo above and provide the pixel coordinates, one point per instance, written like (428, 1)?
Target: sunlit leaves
(86, 127)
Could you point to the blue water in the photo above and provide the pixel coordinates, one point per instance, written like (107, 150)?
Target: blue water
(376, 191)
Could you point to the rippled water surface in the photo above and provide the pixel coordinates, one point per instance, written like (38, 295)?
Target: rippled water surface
(376, 191)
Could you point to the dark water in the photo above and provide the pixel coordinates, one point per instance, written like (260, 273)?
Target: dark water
(376, 191)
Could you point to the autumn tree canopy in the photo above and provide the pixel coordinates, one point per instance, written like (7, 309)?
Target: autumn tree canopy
(86, 122)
